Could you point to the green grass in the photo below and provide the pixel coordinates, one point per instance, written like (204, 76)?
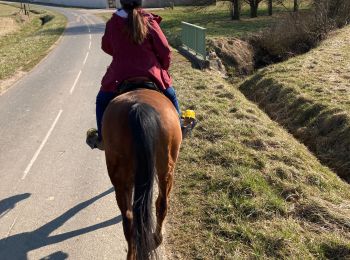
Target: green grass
(309, 95)
(23, 49)
(216, 19)
(244, 188)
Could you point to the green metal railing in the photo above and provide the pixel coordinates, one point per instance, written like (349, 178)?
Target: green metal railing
(193, 38)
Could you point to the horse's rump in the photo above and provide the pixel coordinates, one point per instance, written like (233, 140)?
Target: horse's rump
(142, 137)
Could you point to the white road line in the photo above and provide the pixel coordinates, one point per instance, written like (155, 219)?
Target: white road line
(87, 22)
(41, 146)
(87, 55)
(75, 83)
(11, 227)
(86, 17)
(90, 45)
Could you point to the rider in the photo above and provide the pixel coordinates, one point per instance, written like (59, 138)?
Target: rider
(140, 51)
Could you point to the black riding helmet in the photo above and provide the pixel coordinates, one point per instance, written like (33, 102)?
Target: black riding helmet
(131, 3)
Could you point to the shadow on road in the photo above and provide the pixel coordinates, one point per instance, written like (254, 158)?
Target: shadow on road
(75, 30)
(59, 255)
(17, 246)
(10, 203)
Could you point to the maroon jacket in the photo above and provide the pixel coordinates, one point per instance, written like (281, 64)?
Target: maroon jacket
(150, 59)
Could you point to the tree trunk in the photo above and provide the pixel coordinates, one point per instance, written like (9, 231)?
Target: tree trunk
(270, 7)
(296, 6)
(236, 12)
(253, 9)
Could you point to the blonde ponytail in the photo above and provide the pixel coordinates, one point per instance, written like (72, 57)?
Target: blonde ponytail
(137, 28)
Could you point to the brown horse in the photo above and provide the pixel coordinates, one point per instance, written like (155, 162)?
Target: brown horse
(142, 138)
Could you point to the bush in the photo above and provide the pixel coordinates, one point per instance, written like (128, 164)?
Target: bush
(299, 32)
(235, 53)
(290, 37)
(338, 11)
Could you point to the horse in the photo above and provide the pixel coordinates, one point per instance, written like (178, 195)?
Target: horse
(142, 138)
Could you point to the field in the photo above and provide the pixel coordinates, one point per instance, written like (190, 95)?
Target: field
(25, 41)
(216, 19)
(244, 187)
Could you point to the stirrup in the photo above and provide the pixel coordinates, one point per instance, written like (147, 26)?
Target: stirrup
(188, 122)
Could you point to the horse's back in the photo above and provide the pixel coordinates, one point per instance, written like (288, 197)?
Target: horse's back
(116, 130)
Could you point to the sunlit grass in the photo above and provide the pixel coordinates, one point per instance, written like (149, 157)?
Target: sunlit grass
(244, 187)
(216, 19)
(310, 95)
(24, 48)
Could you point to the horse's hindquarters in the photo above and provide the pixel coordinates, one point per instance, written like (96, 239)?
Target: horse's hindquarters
(142, 135)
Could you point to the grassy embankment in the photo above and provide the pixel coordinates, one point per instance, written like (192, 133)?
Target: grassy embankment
(310, 96)
(245, 188)
(26, 40)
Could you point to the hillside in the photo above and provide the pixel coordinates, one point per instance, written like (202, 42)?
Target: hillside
(245, 188)
(310, 96)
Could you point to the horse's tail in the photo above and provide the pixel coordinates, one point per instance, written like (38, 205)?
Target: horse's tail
(144, 124)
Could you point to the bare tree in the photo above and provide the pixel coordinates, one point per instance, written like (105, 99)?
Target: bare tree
(296, 5)
(236, 9)
(254, 5)
(270, 6)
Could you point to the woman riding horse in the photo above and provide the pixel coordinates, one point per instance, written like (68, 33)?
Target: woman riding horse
(140, 52)
(140, 128)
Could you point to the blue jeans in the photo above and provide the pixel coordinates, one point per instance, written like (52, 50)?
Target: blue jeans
(103, 98)
(171, 94)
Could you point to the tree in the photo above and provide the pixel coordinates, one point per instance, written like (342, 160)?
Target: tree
(236, 9)
(270, 7)
(254, 5)
(296, 5)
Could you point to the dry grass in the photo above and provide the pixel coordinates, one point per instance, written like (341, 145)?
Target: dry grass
(310, 95)
(237, 55)
(8, 19)
(244, 188)
(8, 25)
(21, 49)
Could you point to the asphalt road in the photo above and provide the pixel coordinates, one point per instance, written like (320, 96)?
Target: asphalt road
(56, 200)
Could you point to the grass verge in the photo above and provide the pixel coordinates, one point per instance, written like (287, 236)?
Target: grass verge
(244, 188)
(216, 18)
(23, 48)
(309, 95)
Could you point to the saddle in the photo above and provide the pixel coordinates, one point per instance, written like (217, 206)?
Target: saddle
(136, 83)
